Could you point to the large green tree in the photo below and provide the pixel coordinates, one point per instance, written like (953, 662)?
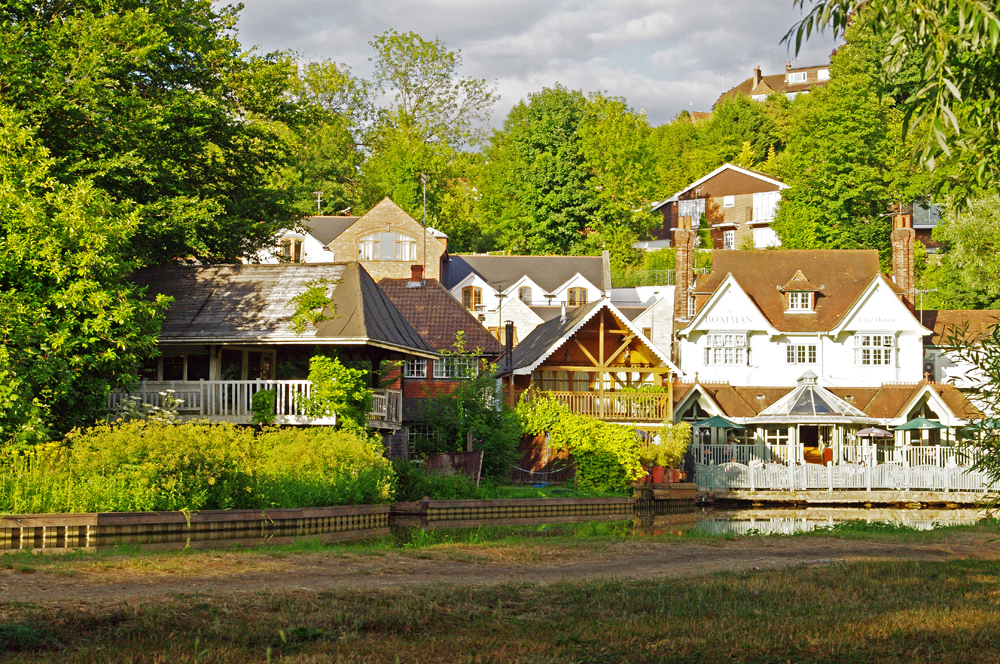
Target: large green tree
(71, 324)
(156, 103)
(947, 53)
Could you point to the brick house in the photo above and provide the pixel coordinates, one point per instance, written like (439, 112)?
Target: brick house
(795, 81)
(737, 205)
(385, 240)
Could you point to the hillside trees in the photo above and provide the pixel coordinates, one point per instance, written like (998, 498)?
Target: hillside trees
(155, 103)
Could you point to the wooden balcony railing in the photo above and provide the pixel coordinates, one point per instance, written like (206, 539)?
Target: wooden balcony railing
(231, 400)
(616, 406)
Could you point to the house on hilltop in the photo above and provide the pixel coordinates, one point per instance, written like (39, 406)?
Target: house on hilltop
(795, 81)
(737, 205)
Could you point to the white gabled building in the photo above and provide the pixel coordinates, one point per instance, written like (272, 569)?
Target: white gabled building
(765, 317)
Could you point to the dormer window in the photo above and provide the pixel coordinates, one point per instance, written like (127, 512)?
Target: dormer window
(800, 301)
(291, 250)
(524, 294)
(576, 297)
(797, 77)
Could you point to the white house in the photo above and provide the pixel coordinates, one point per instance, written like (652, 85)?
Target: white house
(765, 317)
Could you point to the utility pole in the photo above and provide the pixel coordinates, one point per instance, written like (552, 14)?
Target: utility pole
(921, 294)
(423, 184)
(319, 199)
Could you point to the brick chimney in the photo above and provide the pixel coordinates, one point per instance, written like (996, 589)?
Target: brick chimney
(757, 78)
(416, 276)
(903, 272)
(684, 237)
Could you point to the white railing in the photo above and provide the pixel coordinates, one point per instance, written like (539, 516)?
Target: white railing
(232, 400)
(758, 467)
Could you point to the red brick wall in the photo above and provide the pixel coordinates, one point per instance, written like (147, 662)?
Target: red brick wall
(421, 388)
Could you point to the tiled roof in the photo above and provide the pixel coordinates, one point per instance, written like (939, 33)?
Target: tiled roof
(773, 83)
(438, 317)
(971, 324)
(253, 304)
(549, 272)
(840, 276)
(545, 336)
(885, 402)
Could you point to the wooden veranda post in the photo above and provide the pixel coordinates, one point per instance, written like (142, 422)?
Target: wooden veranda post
(603, 369)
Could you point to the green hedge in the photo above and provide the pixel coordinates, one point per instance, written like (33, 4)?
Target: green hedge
(152, 466)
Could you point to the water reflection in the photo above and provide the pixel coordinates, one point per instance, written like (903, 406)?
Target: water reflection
(791, 521)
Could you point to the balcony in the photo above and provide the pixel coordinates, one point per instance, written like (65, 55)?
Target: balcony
(230, 401)
(616, 406)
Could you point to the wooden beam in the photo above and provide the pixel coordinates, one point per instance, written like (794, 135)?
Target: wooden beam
(585, 351)
(600, 351)
(624, 345)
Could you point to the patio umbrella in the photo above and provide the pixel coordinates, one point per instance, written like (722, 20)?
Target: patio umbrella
(872, 432)
(920, 423)
(717, 422)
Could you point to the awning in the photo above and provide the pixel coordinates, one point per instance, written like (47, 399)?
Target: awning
(873, 432)
(921, 424)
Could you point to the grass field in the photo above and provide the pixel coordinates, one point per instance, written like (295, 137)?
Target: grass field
(855, 612)
(866, 612)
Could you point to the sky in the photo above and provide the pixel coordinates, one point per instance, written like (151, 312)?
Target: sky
(663, 56)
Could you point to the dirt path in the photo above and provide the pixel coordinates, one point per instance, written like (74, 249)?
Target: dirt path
(217, 573)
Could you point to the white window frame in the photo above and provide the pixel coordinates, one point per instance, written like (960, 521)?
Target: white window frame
(415, 369)
(728, 201)
(874, 350)
(797, 77)
(800, 354)
(404, 247)
(729, 239)
(726, 349)
(800, 301)
(692, 207)
(456, 368)
(764, 205)
(295, 252)
(822, 74)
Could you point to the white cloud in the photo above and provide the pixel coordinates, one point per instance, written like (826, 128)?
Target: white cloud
(661, 55)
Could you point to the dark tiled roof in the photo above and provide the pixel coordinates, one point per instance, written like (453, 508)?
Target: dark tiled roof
(549, 272)
(252, 303)
(437, 316)
(840, 275)
(326, 229)
(775, 83)
(970, 324)
(546, 335)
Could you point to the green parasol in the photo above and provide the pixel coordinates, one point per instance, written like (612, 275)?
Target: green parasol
(717, 422)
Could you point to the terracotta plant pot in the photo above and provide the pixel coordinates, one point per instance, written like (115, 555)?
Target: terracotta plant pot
(675, 474)
(657, 474)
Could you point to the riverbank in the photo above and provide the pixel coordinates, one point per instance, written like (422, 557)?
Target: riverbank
(913, 596)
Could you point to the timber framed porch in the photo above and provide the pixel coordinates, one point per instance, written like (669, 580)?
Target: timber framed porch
(613, 406)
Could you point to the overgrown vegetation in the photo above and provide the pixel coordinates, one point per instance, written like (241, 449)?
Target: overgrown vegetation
(150, 466)
(606, 454)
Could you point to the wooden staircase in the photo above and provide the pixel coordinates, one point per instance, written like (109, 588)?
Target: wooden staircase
(812, 455)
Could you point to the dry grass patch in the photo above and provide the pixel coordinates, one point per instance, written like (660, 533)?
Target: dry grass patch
(859, 612)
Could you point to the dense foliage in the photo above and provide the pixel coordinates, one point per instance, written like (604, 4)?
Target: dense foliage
(339, 391)
(148, 466)
(606, 454)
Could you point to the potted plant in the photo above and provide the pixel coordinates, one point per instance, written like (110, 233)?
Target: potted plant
(674, 441)
(648, 457)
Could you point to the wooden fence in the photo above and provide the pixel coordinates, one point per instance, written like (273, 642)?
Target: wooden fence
(831, 477)
(213, 528)
(231, 400)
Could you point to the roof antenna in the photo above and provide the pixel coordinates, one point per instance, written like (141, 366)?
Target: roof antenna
(319, 199)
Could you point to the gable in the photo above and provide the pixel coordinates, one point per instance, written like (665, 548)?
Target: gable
(387, 217)
(729, 180)
(880, 310)
(729, 308)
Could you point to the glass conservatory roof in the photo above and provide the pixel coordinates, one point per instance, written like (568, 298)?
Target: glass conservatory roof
(811, 403)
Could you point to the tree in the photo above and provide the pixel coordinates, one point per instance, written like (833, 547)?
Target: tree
(535, 189)
(951, 109)
(970, 269)
(71, 324)
(155, 103)
(844, 164)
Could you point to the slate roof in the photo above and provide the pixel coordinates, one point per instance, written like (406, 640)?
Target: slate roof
(542, 338)
(252, 304)
(549, 272)
(839, 275)
(944, 322)
(775, 83)
(327, 228)
(437, 316)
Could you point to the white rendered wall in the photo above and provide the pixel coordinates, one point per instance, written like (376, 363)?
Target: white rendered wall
(313, 250)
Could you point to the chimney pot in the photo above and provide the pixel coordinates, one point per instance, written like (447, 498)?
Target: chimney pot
(562, 312)
(416, 276)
